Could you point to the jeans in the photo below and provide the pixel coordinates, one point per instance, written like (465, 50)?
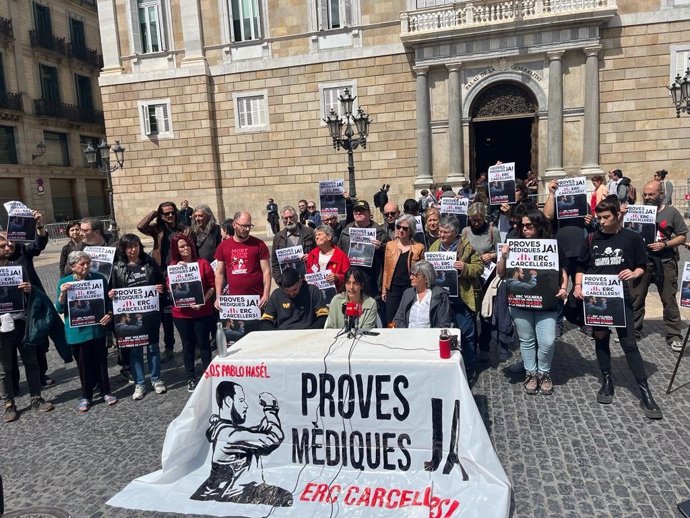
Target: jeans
(466, 321)
(195, 332)
(9, 343)
(136, 359)
(537, 333)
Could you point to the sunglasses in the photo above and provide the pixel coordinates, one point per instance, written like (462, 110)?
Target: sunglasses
(166, 214)
(390, 214)
(528, 226)
(311, 206)
(400, 227)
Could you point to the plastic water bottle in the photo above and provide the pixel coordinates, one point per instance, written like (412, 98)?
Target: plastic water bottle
(221, 341)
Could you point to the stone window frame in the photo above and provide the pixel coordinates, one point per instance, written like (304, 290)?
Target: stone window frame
(339, 85)
(226, 26)
(165, 28)
(324, 37)
(680, 60)
(348, 14)
(262, 97)
(161, 106)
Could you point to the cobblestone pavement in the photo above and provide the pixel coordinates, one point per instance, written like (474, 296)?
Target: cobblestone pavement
(566, 455)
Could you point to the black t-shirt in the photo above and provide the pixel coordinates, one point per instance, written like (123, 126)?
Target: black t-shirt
(401, 275)
(570, 233)
(609, 254)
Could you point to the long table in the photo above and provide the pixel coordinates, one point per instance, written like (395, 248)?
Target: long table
(309, 423)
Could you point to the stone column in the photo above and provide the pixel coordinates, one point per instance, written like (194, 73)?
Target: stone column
(554, 150)
(110, 46)
(423, 178)
(590, 141)
(456, 146)
(191, 31)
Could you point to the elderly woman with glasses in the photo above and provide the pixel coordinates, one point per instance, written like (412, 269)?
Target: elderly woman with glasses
(424, 304)
(327, 256)
(469, 266)
(205, 232)
(400, 255)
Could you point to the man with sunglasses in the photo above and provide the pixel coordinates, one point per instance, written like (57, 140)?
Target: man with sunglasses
(391, 212)
(332, 221)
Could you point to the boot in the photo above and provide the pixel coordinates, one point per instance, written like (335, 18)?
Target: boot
(651, 409)
(605, 394)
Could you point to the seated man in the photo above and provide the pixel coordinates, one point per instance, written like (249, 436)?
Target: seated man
(295, 305)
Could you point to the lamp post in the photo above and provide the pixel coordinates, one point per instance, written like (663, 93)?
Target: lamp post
(105, 168)
(348, 140)
(680, 93)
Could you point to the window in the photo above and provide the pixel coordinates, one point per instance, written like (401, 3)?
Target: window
(84, 95)
(251, 111)
(64, 204)
(149, 25)
(246, 20)
(78, 37)
(680, 60)
(3, 86)
(8, 149)
(335, 14)
(50, 87)
(95, 198)
(83, 144)
(329, 98)
(155, 119)
(42, 19)
(57, 152)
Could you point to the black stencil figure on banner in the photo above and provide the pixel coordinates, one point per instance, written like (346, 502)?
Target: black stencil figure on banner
(236, 465)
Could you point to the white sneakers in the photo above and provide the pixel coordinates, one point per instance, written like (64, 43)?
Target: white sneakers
(139, 391)
(159, 387)
(676, 347)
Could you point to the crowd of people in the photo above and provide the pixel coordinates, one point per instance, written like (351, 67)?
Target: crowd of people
(398, 287)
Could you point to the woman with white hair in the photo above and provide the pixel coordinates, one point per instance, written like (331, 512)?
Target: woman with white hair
(205, 232)
(424, 304)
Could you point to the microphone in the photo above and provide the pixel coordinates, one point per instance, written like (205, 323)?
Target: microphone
(352, 312)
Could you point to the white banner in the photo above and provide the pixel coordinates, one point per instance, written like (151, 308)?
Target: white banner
(454, 205)
(334, 423)
(239, 307)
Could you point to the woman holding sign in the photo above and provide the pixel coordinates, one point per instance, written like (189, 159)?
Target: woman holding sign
(195, 323)
(327, 256)
(536, 327)
(87, 341)
(135, 268)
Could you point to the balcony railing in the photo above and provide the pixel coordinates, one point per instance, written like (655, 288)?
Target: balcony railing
(85, 54)
(6, 31)
(48, 41)
(471, 14)
(70, 112)
(11, 101)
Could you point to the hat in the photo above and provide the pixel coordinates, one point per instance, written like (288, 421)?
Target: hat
(362, 204)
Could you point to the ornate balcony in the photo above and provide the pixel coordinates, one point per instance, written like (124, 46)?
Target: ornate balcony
(434, 19)
(48, 42)
(11, 101)
(6, 32)
(70, 112)
(89, 56)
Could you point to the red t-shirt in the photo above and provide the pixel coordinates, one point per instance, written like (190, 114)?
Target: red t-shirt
(242, 265)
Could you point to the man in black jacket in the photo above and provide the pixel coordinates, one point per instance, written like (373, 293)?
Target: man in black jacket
(294, 234)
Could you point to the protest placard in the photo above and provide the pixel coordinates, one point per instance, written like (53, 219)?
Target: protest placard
(446, 274)
(642, 219)
(102, 258)
(85, 303)
(185, 284)
(21, 225)
(361, 252)
(419, 235)
(502, 183)
(532, 272)
(318, 279)
(235, 311)
(571, 198)
(11, 297)
(136, 313)
(685, 286)
(456, 206)
(291, 257)
(331, 197)
(604, 304)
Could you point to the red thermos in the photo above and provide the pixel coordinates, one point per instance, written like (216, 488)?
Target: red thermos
(444, 345)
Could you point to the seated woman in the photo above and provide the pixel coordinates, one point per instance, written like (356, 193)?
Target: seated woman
(424, 305)
(355, 284)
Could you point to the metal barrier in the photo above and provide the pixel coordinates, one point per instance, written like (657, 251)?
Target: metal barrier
(57, 232)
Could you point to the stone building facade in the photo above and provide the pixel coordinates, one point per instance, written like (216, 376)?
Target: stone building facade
(221, 101)
(50, 107)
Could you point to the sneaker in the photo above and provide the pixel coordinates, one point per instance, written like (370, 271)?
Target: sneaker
(110, 400)
(517, 367)
(11, 413)
(139, 391)
(159, 387)
(676, 346)
(167, 355)
(126, 373)
(545, 384)
(84, 405)
(191, 385)
(40, 404)
(531, 384)
(47, 381)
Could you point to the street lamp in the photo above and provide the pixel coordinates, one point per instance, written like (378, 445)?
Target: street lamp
(105, 168)
(348, 140)
(680, 93)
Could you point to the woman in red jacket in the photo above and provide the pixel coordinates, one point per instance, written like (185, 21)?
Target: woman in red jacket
(195, 322)
(327, 256)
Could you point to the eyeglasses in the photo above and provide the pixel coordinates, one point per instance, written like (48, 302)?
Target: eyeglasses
(85, 230)
(246, 227)
(311, 206)
(166, 214)
(528, 226)
(390, 214)
(415, 275)
(400, 227)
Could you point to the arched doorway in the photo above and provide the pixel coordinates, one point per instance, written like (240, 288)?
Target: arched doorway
(504, 126)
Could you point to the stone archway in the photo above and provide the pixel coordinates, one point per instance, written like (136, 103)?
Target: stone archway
(504, 126)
